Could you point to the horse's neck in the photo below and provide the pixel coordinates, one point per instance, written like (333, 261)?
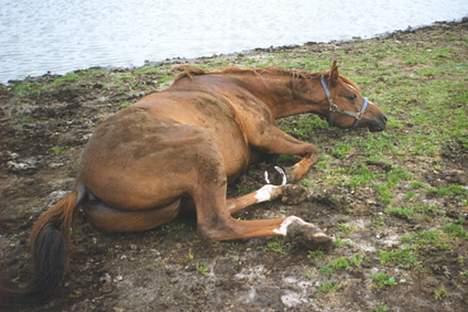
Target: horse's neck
(277, 92)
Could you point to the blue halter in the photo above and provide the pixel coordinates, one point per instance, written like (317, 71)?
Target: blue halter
(335, 109)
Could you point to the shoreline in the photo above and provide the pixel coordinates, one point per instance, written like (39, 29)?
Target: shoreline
(178, 60)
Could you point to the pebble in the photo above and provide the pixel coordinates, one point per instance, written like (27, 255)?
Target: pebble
(25, 164)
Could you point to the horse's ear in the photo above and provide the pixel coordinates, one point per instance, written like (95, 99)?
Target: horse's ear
(334, 73)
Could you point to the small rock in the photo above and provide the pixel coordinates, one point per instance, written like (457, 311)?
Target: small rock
(291, 299)
(56, 165)
(25, 164)
(12, 155)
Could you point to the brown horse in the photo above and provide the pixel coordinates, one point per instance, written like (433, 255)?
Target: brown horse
(186, 142)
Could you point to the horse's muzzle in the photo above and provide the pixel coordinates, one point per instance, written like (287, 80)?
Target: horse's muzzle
(378, 123)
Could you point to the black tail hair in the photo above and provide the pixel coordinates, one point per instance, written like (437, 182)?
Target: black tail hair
(50, 243)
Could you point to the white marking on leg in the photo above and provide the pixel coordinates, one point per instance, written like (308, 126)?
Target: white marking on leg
(265, 193)
(283, 228)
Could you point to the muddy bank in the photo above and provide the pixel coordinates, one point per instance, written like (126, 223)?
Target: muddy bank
(396, 201)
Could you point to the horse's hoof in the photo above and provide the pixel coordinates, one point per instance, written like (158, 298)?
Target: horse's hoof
(294, 194)
(308, 235)
(277, 178)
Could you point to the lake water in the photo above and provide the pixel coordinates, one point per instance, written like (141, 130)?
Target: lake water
(37, 36)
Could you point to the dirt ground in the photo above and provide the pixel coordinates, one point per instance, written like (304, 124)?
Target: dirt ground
(172, 268)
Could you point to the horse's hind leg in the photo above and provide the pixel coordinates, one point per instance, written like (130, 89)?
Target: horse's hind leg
(214, 218)
(109, 219)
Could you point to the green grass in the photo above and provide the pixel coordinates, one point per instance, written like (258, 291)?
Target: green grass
(303, 126)
(381, 308)
(327, 287)
(414, 211)
(341, 150)
(58, 150)
(401, 212)
(402, 257)
(345, 229)
(342, 263)
(455, 191)
(455, 230)
(276, 246)
(440, 293)
(382, 280)
(428, 239)
(202, 268)
(315, 254)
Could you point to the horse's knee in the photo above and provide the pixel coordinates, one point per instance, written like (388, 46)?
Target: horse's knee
(311, 150)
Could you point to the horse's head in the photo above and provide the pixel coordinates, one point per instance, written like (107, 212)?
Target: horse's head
(347, 108)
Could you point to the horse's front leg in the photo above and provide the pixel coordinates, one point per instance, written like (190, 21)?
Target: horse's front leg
(276, 141)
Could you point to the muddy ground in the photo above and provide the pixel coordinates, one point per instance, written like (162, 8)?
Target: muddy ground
(46, 121)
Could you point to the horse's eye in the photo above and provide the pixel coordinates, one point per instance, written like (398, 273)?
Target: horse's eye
(351, 97)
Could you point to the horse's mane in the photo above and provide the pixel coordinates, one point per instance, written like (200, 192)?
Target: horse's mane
(187, 70)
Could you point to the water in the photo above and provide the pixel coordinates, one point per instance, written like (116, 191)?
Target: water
(63, 35)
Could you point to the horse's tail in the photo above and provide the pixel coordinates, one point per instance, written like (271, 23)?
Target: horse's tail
(50, 241)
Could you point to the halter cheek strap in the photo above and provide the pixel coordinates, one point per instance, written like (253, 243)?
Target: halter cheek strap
(335, 109)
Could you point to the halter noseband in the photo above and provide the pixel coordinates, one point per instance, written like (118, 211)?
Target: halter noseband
(335, 109)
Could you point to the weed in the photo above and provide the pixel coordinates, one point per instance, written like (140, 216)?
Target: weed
(276, 246)
(303, 126)
(403, 213)
(392, 179)
(190, 256)
(57, 150)
(455, 230)
(345, 229)
(341, 150)
(361, 175)
(404, 257)
(440, 293)
(328, 287)
(342, 263)
(428, 239)
(381, 308)
(307, 183)
(315, 254)
(338, 242)
(382, 279)
(202, 268)
(456, 191)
